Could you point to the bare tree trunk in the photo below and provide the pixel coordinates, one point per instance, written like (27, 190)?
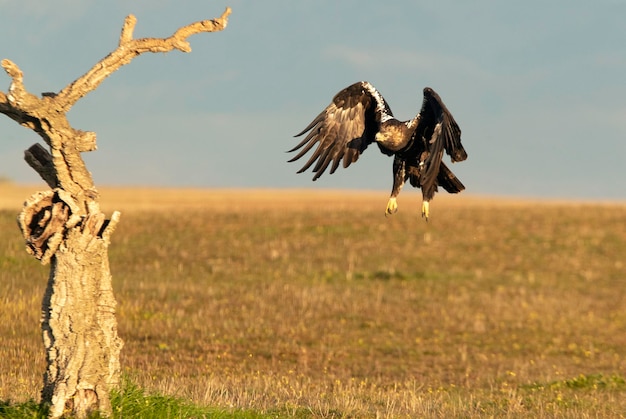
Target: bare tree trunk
(79, 327)
(65, 227)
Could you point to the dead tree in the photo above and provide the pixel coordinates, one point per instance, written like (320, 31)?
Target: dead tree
(65, 227)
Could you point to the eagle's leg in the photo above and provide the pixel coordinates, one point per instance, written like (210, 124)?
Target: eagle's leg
(392, 206)
(425, 210)
(398, 182)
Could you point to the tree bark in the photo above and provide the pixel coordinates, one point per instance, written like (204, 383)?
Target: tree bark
(79, 327)
(65, 228)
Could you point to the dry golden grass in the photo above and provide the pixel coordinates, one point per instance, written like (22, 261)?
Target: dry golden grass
(315, 304)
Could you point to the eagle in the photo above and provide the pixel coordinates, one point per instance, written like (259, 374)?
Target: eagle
(359, 115)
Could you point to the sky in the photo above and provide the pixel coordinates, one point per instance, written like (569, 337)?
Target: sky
(538, 89)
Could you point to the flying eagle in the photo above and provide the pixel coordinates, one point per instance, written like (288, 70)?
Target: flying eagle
(359, 115)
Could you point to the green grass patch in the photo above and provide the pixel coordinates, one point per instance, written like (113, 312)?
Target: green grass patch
(583, 382)
(133, 402)
(23, 410)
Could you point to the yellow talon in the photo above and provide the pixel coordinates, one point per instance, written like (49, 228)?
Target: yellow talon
(425, 212)
(392, 207)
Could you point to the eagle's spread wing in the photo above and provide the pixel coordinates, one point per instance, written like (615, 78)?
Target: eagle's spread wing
(437, 131)
(344, 129)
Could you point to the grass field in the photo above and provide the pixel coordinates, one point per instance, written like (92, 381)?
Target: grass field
(313, 304)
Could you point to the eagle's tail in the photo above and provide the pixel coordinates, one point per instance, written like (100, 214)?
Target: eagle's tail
(448, 180)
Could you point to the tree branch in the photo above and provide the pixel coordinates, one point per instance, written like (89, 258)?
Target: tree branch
(127, 29)
(17, 85)
(128, 48)
(18, 104)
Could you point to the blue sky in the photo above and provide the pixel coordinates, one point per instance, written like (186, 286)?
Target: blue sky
(537, 87)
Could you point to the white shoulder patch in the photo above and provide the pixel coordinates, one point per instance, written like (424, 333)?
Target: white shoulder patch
(380, 101)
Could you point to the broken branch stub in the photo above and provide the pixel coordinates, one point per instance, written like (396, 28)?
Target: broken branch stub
(43, 222)
(40, 160)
